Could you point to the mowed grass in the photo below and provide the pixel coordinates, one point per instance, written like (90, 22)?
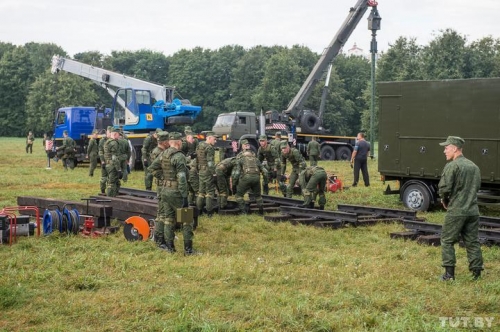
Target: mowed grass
(252, 275)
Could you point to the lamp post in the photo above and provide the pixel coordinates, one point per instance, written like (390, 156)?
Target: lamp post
(373, 25)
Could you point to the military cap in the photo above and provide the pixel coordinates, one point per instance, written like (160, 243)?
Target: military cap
(262, 138)
(453, 140)
(95, 131)
(278, 134)
(187, 128)
(158, 130)
(174, 136)
(163, 136)
(283, 145)
(109, 128)
(65, 132)
(210, 133)
(244, 141)
(115, 130)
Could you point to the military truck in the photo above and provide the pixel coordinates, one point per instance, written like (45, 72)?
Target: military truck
(415, 116)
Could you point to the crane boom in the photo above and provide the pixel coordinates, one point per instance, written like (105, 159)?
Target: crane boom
(107, 78)
(329, 53)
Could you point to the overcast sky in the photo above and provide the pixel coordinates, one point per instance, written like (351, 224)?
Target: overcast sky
(170, 25)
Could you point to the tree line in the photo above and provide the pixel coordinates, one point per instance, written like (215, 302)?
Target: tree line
(233, 78)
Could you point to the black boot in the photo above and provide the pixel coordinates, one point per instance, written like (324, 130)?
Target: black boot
(476, 274)
(449, 273)
(169, 246)
(188, 248)
(311, 205)
(321, 207)
(261, 210)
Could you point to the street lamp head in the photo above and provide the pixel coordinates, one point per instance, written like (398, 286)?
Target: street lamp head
(374, 20)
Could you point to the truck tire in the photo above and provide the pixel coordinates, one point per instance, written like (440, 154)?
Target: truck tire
(327, 153)
(343, 153)
(417, 197)
(180, 120)
(310, 123)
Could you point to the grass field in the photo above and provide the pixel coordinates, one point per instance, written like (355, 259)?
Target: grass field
(252, 275)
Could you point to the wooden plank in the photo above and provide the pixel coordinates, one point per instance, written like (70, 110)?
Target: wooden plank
(95, 209)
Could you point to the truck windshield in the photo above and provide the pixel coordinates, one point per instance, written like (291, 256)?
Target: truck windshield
(225, 120)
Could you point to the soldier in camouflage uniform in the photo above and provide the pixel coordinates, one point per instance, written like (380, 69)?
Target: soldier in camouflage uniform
(205, 159)
(125, 153)
(458, 187)
(298, 164)
(189, 146)
(312, 181)
(149, 143)
(268, 153)
(68, 148)
(276, 142)
(103, 182)
(163, 145)
(93, 152)
(172, 163)
(223, 171)
(113, 165)
(29, 142)
(247, 176)
(313, 151)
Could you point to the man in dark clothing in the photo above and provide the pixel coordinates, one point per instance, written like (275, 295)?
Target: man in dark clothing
(458, 189)
(359, 160)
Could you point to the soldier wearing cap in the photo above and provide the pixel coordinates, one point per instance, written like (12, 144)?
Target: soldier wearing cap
(313, 151)
(205, 159)
(268, 153)
(189, 146)
(458, 187)
(93, 152)
(298, 164)
(125, 153)
(312, 181)
(172, 164)
(247, 176)
(68, 149)
(113, 165)
(29, 142)
(163, 144)
(149, 143)
(103, 182)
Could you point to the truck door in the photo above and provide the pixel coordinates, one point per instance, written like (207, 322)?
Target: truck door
(389, 145)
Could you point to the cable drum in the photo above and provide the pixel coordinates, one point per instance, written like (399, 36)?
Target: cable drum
(51, 221)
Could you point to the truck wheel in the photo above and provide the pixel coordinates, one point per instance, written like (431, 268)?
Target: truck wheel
(310, 123)
(327, 153)
(417, 197)
(343, 153)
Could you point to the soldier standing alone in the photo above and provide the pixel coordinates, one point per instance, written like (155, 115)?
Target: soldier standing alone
(458, 187)
(313, 151)
(29, 142)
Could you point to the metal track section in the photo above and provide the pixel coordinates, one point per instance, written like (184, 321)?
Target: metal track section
(393, 213)
(282, 200)
(137, 192)
(320, 214)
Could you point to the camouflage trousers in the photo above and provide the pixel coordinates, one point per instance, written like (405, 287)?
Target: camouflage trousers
(206, 192)
(103, 182)
(294, 175)
(313, 160)
(223, 187)
(315, 186)
(467, 227)
(113, 185)
(248, 183)
(93, 163)
(170, 201)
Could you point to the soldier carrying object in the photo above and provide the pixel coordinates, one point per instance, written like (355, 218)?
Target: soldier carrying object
(172, 163)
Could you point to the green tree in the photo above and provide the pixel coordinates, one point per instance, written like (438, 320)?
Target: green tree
(16, 75)
(50, 92)
(247, 76)
(446, 57)
(484, 60)
(401, 62)
(40, 55)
